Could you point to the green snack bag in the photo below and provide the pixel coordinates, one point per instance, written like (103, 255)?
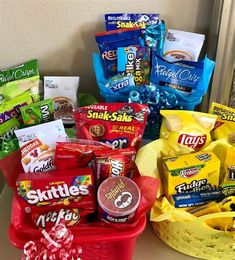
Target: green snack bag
(37, 113)
(11, 108)
(8, 140)
(19, 79)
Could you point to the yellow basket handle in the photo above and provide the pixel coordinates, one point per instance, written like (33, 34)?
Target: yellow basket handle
(216, 215)
(201, 220)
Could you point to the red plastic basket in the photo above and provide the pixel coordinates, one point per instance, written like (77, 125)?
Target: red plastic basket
(98, 243)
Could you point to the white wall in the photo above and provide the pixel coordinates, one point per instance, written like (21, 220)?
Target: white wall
(61, 33)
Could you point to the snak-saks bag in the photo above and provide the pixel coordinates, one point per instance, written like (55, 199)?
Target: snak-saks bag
(123, 20)
(188, 77)
(118, 124)
(225, 125)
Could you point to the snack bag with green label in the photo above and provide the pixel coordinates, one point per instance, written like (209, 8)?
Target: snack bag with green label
(37, 113)
(17, 80)
(8, 140)
(11, 108)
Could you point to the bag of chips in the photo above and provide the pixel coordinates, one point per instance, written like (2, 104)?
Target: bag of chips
(188, 128)
(225, 124)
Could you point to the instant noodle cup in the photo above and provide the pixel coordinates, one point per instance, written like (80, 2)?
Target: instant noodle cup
(187, 128)
(118, 198)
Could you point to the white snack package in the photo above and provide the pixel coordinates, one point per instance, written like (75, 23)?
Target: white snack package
(62, 90)
(37, 145)
(180, 45)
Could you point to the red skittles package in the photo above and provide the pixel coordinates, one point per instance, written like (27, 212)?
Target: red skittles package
(76, 153)
(118, 124)
(53, 190)
(114, 163)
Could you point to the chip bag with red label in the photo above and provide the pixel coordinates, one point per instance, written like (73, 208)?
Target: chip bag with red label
(188, 128)
(119, 124)
(114, 163)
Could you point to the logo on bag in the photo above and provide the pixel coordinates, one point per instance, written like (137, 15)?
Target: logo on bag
(109, 55)
(192, 141)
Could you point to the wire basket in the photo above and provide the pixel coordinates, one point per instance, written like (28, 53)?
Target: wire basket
(196, 238)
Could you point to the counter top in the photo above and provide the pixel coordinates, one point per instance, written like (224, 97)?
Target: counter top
(148, 246)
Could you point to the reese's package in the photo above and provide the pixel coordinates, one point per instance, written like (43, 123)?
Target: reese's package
(37, 145)
(225, 123)
(188, 128)
(118, 124)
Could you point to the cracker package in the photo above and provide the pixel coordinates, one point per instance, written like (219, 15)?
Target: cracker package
(225, 123)
(17, 80)
(188, 128)
(118, 124)
(191, 173)
(62, 90)
(37, 113)
(37, 145)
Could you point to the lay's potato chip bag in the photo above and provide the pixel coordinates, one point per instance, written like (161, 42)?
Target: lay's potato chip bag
(187, 128)
(225, 124)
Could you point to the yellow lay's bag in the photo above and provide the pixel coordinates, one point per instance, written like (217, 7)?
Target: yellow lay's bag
(225, 124)
(187, 128)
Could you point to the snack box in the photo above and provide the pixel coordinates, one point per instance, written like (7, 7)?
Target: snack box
(190, 173)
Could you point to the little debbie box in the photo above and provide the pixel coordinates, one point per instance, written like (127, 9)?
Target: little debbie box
(191, 173)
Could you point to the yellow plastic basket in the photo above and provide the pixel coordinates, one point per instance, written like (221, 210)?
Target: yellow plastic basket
(198, 239)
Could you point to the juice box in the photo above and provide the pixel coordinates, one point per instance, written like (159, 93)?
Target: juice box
(190, 173)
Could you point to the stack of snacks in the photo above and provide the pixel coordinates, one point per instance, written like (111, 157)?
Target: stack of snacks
(174, 79)
(197, 190)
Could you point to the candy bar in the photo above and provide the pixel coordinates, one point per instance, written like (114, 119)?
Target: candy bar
(53, 190)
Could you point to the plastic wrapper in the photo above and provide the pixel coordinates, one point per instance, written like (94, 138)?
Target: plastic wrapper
(76, 153)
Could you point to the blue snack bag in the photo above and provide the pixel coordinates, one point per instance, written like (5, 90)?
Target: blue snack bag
(108, 43)
(119, 82)
(122, 20)
(134, 61)
(187, 77)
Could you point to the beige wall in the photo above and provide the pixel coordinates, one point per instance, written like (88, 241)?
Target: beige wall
(61, 33)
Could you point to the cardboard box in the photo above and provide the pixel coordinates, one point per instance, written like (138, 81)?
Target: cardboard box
(191, 173)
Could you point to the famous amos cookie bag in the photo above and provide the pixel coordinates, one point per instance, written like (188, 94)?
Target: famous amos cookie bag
(118, 124)
(188, 128)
